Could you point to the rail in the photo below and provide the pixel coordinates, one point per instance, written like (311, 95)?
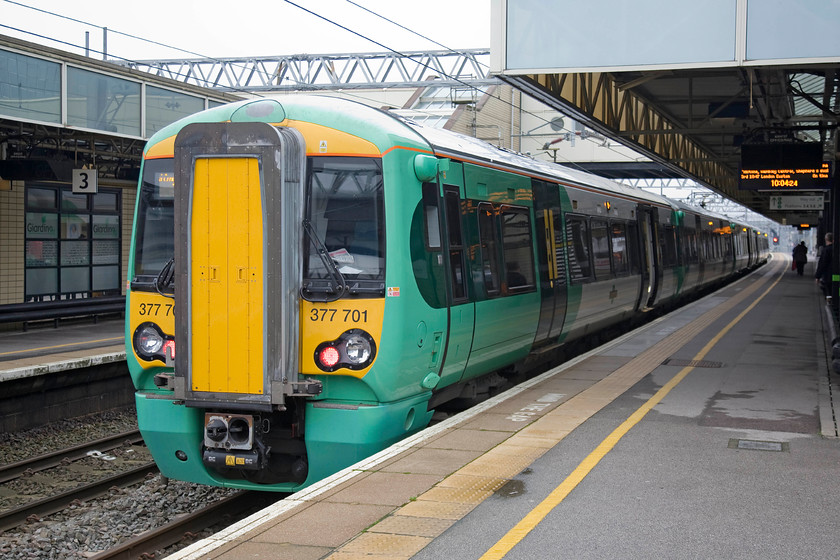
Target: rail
(61, 309)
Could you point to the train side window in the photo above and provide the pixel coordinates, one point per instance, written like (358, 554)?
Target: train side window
(668, 245)
(489, 248)
(577, 235)
(620, 254)
(600, 249)
(431, 217)
(518, 249)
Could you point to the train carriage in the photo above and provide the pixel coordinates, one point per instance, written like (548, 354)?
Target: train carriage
(311, 277)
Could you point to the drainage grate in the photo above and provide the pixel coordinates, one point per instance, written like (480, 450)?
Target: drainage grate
(692, 363)
(755, 445)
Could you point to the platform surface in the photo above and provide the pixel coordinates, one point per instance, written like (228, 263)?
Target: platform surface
(709, 433)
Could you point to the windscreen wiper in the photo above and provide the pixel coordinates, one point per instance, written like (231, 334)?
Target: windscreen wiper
(165, 281)
(338, 288)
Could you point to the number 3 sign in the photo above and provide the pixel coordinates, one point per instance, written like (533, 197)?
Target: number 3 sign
(84, 181)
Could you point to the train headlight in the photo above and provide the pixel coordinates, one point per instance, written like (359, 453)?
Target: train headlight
(354, 349)
(357, 348)
(149, 340)
(151, 344)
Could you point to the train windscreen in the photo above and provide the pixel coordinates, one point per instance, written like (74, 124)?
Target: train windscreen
(345, 210)
(155, 228)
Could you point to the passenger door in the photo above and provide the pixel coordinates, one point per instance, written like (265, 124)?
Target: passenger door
(552, 269)
(647, 234)
(460, 305)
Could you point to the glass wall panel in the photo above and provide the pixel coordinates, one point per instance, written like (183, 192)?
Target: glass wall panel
(567, 34)
(73, 246)
(41, 281)
(792, 29)
(41, 226)
(30, 88)
(102, 102)
(75, 280)
(106, 278)
(164, 107)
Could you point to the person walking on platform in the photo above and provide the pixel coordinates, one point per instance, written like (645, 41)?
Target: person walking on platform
(800, 257)
(824, 264)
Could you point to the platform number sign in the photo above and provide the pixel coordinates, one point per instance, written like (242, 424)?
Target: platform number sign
(84, 181)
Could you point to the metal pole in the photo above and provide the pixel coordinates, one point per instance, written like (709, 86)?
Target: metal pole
(104, 43)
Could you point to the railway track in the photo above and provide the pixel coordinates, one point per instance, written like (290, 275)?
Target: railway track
(11, 518)
(188, 526)
(49, 460)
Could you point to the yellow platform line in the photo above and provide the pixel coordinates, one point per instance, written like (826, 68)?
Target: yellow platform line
(496, 467)
(530, 521)
(28, 350)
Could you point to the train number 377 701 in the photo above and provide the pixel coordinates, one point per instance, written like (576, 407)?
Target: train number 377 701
(346, 315)
(155, 309)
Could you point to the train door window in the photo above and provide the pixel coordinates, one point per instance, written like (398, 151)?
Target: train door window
(690, 252)
(489, 248)
(601, 249)
(577, 234)
(620, 253)
(518, 249)
(633, 241)
(458, 280)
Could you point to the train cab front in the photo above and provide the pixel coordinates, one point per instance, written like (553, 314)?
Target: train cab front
(254, 332)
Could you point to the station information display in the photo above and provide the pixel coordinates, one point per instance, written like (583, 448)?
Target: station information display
(781, 178)
(776, 167)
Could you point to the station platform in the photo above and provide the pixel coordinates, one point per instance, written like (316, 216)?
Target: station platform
(72, 345)
(708, 433)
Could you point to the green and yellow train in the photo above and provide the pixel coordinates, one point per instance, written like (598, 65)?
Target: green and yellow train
(330, 274)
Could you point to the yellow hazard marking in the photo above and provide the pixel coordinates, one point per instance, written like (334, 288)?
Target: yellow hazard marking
(536, 515)
(79, 343)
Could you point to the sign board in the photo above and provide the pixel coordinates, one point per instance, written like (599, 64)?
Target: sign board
(85, 181)
(784, 166)
(794, 202)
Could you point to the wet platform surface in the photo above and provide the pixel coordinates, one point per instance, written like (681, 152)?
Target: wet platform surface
(708, 433)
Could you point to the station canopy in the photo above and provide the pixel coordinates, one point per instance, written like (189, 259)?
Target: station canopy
(692, 85)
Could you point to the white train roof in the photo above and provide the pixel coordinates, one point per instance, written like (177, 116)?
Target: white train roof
(446, 142)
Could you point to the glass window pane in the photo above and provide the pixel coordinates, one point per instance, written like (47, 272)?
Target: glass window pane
(75, 279)
(75, 253)
(41, 281)
(41, 226)
(618, 240)
(41, 253)
(516, 244)
(30, 88)
(74, 226)
(489, 250)
(73, 202)
(164, 107)
(346, 211)
(106, 278)
(106, 202)
(600, 249)
(102, 102)
(106, 252)
(577, 232)
(106, 227)
(41, 199)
